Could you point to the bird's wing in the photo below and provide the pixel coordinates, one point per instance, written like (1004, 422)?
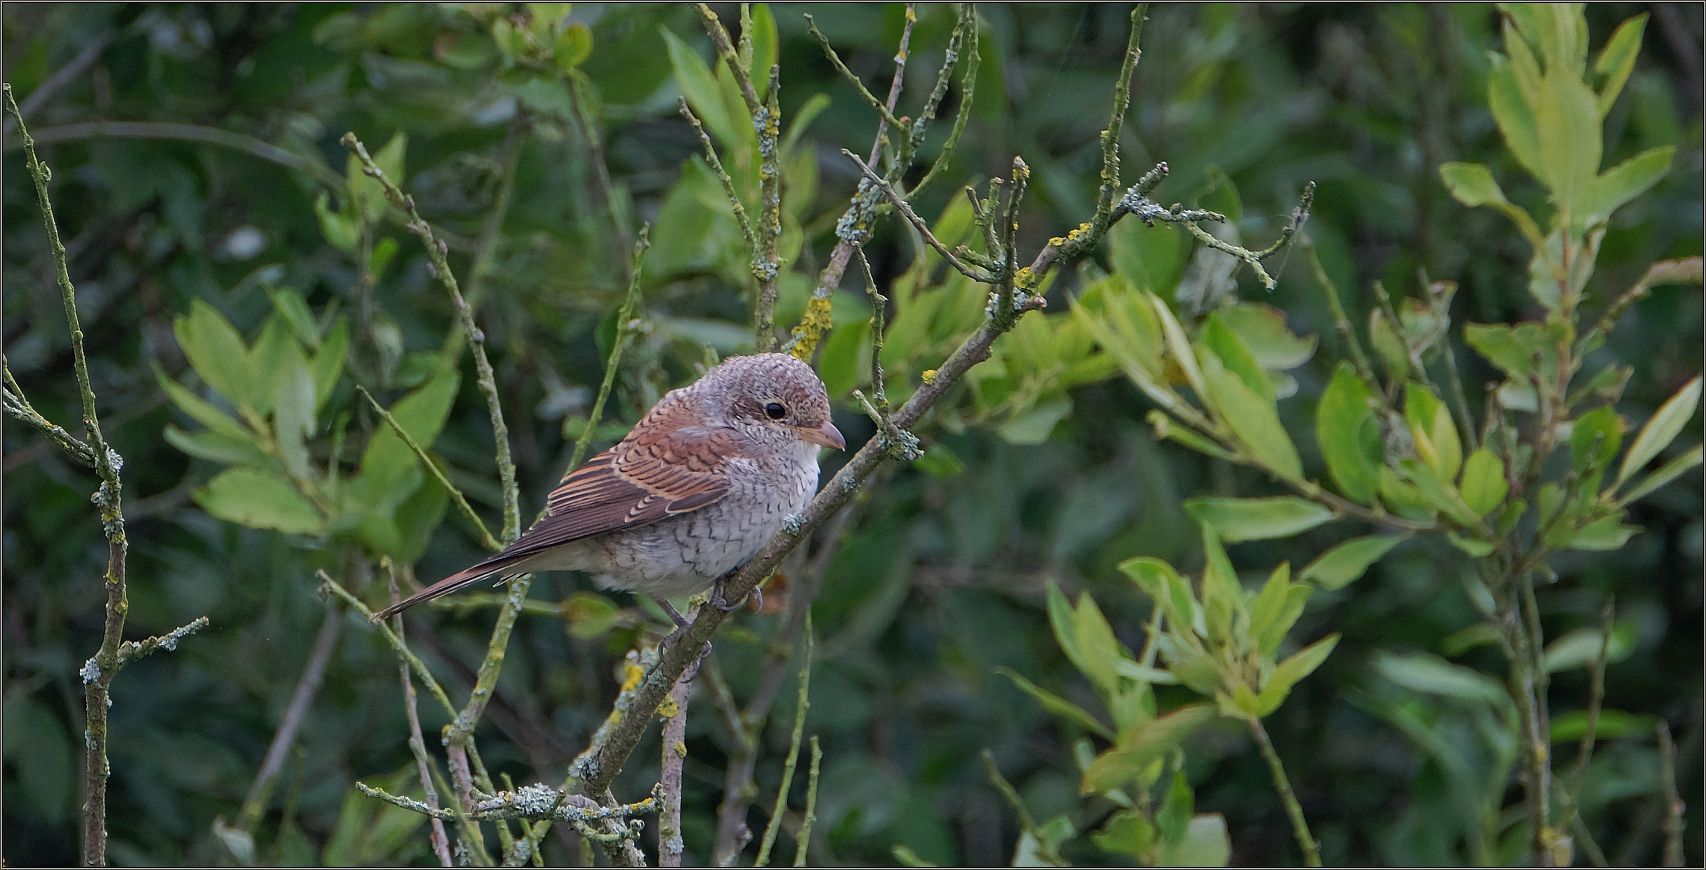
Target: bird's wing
(669, 464)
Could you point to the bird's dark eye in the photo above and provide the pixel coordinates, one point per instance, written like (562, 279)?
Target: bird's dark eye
(775, 411)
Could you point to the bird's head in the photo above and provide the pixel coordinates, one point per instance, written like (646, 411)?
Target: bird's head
(770, 396)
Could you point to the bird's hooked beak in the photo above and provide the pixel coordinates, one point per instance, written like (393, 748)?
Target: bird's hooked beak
(826, 435)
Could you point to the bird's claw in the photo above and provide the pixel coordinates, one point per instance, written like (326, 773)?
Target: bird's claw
(722, 603)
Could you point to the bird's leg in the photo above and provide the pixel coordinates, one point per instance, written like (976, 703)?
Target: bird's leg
(722, 603)
(681, 624)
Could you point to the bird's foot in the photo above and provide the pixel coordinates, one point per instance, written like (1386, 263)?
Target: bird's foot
(719, 601)
(681, 623)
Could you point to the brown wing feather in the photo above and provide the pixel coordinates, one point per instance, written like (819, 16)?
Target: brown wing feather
(669, 464)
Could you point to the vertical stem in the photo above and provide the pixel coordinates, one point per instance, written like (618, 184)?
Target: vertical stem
(674, 749)
(99, 672)
(295, 713)
(1293, 810)
(1673, 803)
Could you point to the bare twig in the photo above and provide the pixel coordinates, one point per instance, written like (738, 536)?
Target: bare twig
(295, 715)
(674, 751)
(432, 468)
(801, 706)
(1672, 801)
(804, 840)
(98, 672)
(1293, 810)
(417, 743)
(917, 222)
(626, 326)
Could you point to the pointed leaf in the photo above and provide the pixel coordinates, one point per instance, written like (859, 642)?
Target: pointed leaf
(1347, 562)
(1661, 430)
(1437, 443)
(1253, 421)
(1617, 60)
(1057, 705)
(216, 352)
(1255, 519)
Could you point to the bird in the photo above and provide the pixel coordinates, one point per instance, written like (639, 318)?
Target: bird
(706, 477)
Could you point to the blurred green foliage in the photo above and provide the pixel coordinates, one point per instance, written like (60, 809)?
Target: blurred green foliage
(264, 256)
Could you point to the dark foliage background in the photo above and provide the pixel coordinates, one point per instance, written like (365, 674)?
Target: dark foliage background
(942, 578)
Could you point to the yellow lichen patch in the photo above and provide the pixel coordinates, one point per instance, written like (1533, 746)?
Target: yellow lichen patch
(929, 376)
(668, 708)
(632, 673)
(680, 749)
(814, 325)
(1025, 279)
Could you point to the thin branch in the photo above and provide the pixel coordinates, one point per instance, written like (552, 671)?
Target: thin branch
(1596, 697)
(968, 86)
(432, 468)
(1293, 810)
(1672, 802)
(626, 327)
(588, 127)
(885, 110)
(295, 715)
(1340, 321)
(1109, 191)
(801, 705)
(803, 841)
(417, 743)
(99, 671)
(722, 174)
(250, 145)
(437, 255)
(917, 222)
(674, 751)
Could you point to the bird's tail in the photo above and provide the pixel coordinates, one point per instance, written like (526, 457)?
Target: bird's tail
(500, 567)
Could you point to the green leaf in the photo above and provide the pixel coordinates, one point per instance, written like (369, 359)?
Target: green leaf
(1151, 258)
(217, 447)
(1349, 435)
(1128, 833)
(1263, 330)
(572, 46)
(201, 410)
(328, 363)
(1142, 745)
(1168, 429)
(1222, 594)
(1483, 486)
(1513, 114)
(293, 411)
(1625, 181)
(1165, 587)
(1603, 534)
(260, 500)
(1388, 345)
(1057, 705)
(1437, 443)
(1097, 645)
(1594, 439)
(1347, 562)
(1176, 806)
(1236, 357)
(1665, 474)
(1579, 648)
(1290, 672)
(217, 353)
(1065, 625)
(1661, 430)
(1253, 421)
(1472, 546)
(1179, 347)
(1569, 727)
(1276, 610)
(699, 86)
(763, 48)
(1205, 844)
(1422, 672)
(1473, 185)
(1256, 519)
(289, 305)
(1567, 122)
(1617, 60)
